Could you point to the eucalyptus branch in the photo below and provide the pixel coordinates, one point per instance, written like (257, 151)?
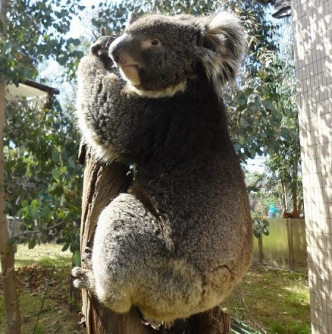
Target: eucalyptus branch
(39, 230)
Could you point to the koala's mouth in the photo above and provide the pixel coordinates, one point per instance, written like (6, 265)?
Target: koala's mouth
(130, 73)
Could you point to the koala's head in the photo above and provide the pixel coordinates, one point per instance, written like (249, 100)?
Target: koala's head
(158, 55)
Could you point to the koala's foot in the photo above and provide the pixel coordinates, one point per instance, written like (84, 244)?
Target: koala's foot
(83, 279)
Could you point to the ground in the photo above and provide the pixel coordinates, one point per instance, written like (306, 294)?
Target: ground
(271, 300)
(44, 269)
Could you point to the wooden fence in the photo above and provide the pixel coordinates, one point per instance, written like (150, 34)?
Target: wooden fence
(285, 247)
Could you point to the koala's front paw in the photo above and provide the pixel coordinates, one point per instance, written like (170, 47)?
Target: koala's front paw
(101, 45)
(83, 279)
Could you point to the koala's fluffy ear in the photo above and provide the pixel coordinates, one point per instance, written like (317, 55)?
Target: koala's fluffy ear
(224, 41)
(132, 17)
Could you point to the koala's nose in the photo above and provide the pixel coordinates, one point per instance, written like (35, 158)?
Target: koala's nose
(115, 49)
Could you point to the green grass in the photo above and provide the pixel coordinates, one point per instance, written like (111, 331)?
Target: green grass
(275, 301)
(44, 255)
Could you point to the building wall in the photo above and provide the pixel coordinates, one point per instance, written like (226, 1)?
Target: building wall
(312, 23)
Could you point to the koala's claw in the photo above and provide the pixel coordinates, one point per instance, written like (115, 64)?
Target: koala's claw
(83, 279)
(86, 257)
(101, 45)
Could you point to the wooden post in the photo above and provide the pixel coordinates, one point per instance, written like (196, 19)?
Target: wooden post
(102, 182)
(291, 261)
(260, 248)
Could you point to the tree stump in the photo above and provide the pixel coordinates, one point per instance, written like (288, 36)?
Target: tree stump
(103, 182)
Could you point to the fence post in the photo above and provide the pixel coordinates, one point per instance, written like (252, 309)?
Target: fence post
(290, 244)
(260, 249)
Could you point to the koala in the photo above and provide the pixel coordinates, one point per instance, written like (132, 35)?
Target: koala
(179, 240)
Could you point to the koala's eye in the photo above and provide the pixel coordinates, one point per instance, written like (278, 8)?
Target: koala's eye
(155, 42)
(150, 43)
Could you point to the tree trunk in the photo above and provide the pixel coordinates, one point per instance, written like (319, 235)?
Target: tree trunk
(6, 250)
(101, 184)
(284, 196)
(296, 213)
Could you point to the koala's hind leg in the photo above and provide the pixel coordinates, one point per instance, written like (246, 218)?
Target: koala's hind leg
(83, 279)
(126, 240)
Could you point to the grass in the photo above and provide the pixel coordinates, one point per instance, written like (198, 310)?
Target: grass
(274, 301)
(268, 300)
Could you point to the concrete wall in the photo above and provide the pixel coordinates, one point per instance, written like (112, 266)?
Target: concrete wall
(312, 23)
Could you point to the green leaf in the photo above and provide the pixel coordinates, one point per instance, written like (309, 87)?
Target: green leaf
(265, 222)
(32, 243)
(55, 155)
(242, 101)
(241, 140)
(243, 123)
(38, 328)
(56, 174)
(34, 213)
(35, 203)
(237, 147)
(268, 104)
(45, 212)
(285, 133)
(257, 234)
(61, 214)
(76, 259)
(43, 238)
(12, 242)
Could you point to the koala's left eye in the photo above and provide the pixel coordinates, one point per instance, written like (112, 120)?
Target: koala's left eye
(155, 42)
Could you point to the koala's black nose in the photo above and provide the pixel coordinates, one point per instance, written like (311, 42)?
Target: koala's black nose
(115, 48)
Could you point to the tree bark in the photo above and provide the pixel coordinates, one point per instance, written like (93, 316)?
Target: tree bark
(101, 184)
(284, 196)
(6, 250)
(296, 213)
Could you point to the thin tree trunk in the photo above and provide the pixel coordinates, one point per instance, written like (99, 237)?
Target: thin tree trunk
(284, 197)
(6, 250)
(299, 206)
(101, 184)
(296, 213)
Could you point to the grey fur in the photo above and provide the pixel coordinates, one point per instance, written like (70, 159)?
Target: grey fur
(189, 244)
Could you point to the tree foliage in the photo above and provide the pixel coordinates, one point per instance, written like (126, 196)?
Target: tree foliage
(43, 178)
(276, 119)
(36, 30)
(284, 161)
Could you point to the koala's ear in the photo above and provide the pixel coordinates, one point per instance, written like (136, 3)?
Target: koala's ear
(224, 44)
(132, 17)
